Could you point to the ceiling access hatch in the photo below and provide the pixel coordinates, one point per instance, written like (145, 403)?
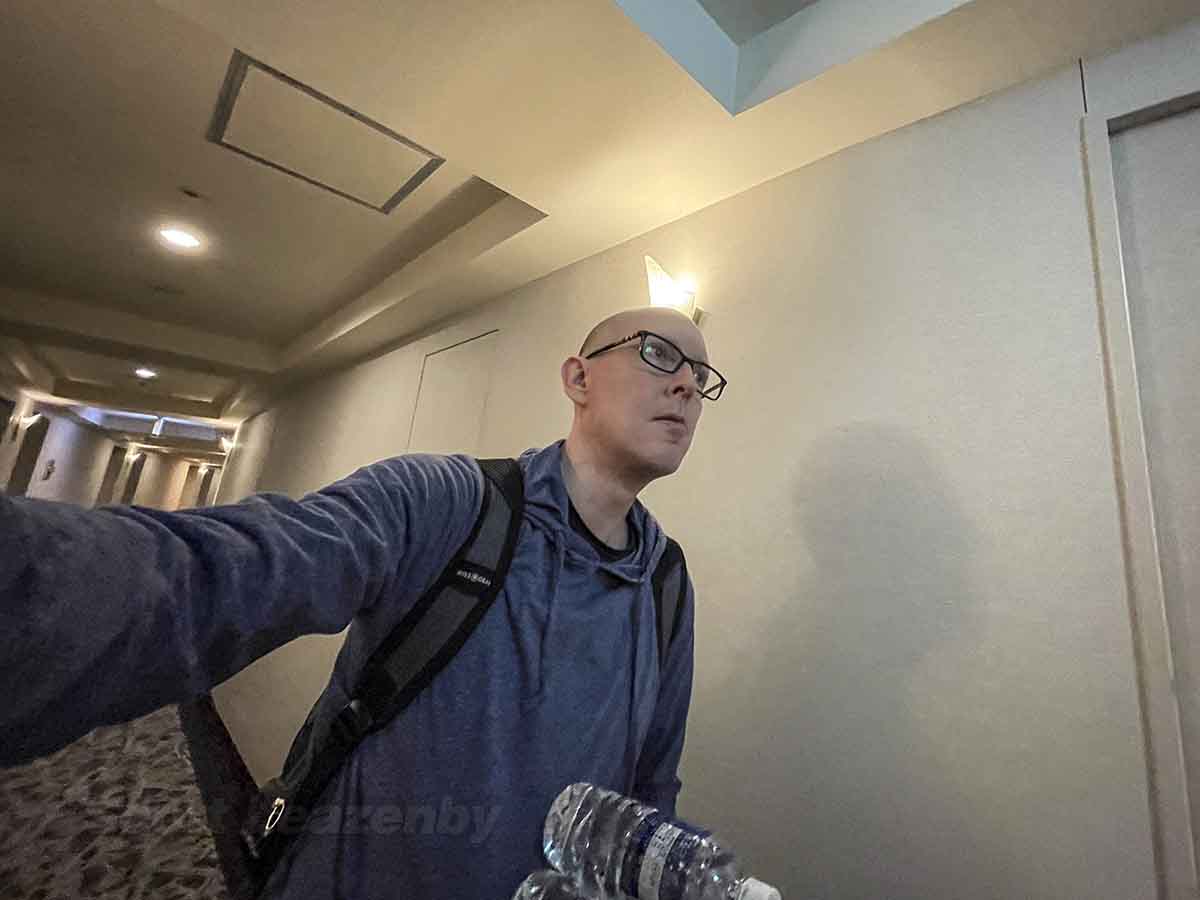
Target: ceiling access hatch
(276, 120)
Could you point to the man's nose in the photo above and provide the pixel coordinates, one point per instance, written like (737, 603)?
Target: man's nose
(684, 380)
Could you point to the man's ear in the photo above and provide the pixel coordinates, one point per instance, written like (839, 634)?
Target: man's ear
(575, 379)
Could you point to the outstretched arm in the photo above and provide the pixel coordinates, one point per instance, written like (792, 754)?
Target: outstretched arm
(108, 614)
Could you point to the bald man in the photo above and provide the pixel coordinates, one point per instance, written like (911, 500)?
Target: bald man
(111, 613)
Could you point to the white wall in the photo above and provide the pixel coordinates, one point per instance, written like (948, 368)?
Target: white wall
(914, 661)
(80, 455)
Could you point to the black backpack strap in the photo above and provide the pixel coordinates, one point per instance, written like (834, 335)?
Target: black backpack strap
(415, 651)
(437, 627)
(670, 582)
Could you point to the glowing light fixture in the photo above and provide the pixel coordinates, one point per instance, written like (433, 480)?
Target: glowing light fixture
(226, 444)
(179, 238)
(145, 374)
(677, 293)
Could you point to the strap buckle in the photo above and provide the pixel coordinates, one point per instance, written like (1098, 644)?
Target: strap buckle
(353, 722)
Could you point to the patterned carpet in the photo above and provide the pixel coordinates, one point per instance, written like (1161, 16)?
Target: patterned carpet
(118, 814)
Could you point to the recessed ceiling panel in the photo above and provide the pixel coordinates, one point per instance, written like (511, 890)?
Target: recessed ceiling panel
(276, 120)
(108, 371)
(744, 52)
(743, 19)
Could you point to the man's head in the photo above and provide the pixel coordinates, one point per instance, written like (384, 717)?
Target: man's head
(624, 406)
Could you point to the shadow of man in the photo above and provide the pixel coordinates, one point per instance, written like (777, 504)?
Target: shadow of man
(857, 672)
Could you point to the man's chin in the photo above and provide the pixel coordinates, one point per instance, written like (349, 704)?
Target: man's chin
(665, 462)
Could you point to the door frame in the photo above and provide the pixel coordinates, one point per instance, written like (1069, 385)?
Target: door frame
(458, 342)
(32, 440)
(1134, 86)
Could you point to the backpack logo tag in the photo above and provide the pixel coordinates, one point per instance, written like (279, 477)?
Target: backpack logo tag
(473, 579)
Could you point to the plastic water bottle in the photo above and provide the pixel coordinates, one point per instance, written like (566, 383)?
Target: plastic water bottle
(616, 847)
(547, 885)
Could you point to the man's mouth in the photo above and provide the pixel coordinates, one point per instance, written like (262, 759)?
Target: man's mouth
(670, 418)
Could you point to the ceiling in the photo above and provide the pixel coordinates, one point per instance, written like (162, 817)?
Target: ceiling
(562, 128)
(112, 102)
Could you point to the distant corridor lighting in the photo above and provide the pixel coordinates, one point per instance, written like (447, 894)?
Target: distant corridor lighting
(145, 373)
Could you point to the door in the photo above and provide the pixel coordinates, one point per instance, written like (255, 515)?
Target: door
(1156, 168)
(206, 481)
(7, 408)
(27, 457)
(107, 486)
(452, 397)
(131, 482)
(190, 494)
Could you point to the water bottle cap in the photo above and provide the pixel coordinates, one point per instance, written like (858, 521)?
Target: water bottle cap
(753, 889)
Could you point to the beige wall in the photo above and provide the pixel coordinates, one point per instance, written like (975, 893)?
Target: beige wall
(914, 661)
(80, 455)
(241, 471)
(161, 484)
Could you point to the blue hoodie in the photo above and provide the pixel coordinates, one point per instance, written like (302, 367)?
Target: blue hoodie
(106, 615)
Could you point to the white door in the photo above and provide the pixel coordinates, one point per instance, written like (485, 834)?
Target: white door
(452, 396)
(1157, 170)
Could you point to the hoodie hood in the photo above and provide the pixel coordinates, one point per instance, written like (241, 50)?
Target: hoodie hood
(547, 507)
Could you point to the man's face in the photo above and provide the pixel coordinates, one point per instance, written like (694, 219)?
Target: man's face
(646, 416)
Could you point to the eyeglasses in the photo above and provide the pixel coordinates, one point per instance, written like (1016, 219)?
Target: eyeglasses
(661, 354)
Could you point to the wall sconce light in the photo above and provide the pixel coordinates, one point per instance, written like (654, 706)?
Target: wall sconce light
(677, 293)
(17, 423)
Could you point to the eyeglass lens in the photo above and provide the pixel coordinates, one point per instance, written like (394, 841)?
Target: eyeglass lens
(665, 356)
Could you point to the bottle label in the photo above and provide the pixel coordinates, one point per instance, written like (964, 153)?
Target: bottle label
(658, 845)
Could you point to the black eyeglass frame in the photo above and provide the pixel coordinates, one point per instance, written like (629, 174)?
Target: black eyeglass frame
(683, 358)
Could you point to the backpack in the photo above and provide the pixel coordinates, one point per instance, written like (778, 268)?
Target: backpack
(414, 652)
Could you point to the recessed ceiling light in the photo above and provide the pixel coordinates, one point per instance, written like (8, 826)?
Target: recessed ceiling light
(177, 237)
(143, 372)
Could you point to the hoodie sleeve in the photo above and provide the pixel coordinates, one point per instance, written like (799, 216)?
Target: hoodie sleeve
(657, 782)
(108, 614)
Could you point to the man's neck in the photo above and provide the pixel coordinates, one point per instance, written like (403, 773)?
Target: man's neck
(598, 494)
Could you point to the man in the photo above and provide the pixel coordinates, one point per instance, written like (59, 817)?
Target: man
(108, 614)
